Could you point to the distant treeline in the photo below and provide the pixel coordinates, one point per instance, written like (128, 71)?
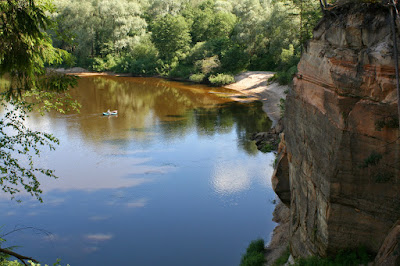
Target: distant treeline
(201, 40)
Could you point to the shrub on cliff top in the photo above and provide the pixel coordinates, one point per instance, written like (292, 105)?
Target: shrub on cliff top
(254, 254)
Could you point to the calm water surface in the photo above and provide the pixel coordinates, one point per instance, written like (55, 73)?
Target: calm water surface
(172, 180)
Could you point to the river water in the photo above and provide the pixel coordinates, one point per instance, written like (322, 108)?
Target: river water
(172, 180)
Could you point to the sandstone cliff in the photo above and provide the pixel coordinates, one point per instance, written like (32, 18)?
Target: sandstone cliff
(340, 170)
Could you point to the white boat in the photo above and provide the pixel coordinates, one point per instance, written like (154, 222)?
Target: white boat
(115, 112)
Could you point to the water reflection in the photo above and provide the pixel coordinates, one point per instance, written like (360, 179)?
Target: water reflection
(172, 167)
(150, 111)
(175, 108)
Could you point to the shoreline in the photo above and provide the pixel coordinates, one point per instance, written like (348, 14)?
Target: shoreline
(252, 84)
(255, 84)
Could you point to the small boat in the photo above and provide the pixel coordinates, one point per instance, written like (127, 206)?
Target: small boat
(115, 112)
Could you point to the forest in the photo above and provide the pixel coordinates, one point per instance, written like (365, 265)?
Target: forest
(205, 41)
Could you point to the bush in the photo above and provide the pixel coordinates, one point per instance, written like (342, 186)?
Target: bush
(235, 59)
(197, 77)
(142, 60)
(98, 64)
(221, 79)
(104, 64)
(253, 259)
(181, 71)
(208, 65)
(143, 66)
(254, 254)
(285, 77)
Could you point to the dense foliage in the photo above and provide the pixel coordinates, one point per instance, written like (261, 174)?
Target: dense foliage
(196, 39)
(254, 255)
(25, 50)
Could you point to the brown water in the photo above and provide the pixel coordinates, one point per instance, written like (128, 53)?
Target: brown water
(172, 180)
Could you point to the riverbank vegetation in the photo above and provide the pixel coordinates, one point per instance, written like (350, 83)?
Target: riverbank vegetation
(201, 40)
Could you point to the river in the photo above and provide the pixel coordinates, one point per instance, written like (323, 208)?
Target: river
(172, 180)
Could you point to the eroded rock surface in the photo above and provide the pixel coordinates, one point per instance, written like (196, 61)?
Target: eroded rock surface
(279, 240)
(389, 254)
(280, 177)
(342, 138)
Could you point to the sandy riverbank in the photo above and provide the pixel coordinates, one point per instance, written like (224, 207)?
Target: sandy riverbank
(81, 72)
(256, 84)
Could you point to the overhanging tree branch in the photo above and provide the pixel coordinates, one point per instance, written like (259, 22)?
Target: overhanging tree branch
(18, 256)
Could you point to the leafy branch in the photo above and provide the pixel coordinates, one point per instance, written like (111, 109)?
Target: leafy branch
(19, 146)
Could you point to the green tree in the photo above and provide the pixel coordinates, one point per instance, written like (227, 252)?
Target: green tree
(222, 25)
(163, 7)
(202, 18)
(100, 27)
(25, 49)
(170, 34)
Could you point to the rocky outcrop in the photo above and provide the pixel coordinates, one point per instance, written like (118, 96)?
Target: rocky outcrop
(389, 254)
(268, 141)
(280, 177)
(279, 241)
(342, 137)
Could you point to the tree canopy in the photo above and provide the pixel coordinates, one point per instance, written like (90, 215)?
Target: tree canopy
(169, 37)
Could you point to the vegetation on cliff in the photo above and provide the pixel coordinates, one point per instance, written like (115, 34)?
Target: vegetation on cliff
(196, 39)
(254, 255)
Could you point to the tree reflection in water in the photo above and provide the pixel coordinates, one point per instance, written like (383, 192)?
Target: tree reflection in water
(155, 108)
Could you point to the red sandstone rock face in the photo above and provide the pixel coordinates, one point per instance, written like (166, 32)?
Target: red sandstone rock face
(342, 143)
